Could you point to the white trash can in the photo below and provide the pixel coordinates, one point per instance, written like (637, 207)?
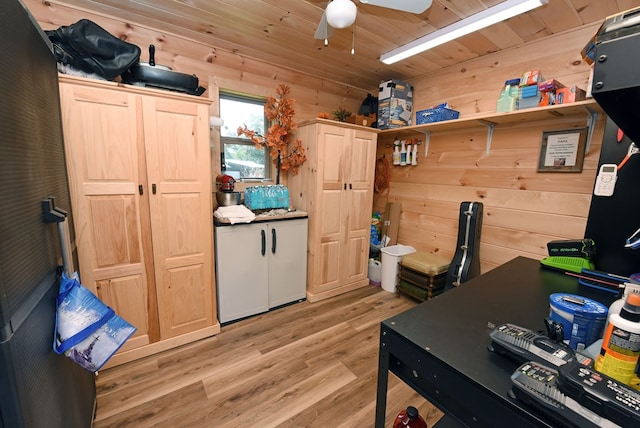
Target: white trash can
(391, 257)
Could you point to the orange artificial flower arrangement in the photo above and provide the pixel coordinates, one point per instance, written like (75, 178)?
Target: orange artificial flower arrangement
(278, 137)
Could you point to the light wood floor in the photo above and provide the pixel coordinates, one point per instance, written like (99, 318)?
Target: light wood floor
(305, 365)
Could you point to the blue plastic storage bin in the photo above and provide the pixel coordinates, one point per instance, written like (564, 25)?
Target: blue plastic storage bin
(437, 114)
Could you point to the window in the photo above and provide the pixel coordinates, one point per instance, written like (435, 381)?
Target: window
(242, 159)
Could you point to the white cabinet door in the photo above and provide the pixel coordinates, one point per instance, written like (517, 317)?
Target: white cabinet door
(242, 270)
(287, 261)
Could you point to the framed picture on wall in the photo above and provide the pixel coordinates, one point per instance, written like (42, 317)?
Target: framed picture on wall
(562, 151)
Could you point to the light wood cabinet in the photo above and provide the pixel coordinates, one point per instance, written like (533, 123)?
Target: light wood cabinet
(335, 187)
(139, 171)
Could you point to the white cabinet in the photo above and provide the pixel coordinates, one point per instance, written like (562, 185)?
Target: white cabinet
(260, 266)
(287, 261)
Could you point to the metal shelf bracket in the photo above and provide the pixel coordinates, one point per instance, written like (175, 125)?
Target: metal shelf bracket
(427, 137)
(591, 124)
(490, 126)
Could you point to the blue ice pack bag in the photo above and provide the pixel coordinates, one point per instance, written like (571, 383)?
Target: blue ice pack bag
(87, 331)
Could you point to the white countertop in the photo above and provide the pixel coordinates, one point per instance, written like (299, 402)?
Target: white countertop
(274, 214)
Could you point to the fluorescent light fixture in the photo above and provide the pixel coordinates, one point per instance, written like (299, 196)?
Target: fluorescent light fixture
(487, 17)
(411, 6)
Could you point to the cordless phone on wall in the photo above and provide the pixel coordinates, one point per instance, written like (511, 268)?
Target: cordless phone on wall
(606, 180)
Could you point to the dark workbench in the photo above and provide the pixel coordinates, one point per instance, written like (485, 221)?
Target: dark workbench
(439, 347)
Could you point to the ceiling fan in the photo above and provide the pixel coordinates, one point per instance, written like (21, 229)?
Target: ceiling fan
(342, 13)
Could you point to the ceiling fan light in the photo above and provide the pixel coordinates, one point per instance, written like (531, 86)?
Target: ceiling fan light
(341, 13)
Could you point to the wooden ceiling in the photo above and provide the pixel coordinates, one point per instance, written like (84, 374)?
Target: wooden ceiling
(282, 31)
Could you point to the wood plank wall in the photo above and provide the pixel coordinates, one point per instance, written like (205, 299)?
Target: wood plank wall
(523, 209)
(216, 68)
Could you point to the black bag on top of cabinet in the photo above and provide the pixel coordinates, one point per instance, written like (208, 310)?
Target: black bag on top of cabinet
(466, 261)
(86, 46)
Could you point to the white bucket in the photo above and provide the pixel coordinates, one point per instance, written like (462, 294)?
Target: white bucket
(391, 257)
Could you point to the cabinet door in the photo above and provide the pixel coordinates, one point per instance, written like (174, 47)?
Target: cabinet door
(287, 261)
(358, 200)
(330, 209)
(242, 253)
(104, 174)
(176, 135)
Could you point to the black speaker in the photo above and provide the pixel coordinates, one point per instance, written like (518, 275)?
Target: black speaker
(616, 82)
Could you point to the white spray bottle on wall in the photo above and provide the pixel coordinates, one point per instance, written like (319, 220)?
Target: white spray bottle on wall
(396, 153)
(403, 153)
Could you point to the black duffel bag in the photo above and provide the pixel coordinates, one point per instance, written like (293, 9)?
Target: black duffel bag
(88, 47)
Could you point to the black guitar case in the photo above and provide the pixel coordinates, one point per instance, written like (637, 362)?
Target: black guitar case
(466, 261)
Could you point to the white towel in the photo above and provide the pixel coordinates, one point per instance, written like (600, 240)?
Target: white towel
(235, 214)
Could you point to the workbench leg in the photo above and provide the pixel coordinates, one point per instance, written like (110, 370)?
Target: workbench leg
(383, 380)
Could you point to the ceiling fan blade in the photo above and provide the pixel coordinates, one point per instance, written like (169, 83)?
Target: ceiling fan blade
(412, 6)
(324, 30)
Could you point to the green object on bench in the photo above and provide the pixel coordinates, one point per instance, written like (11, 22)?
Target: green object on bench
(567, 263)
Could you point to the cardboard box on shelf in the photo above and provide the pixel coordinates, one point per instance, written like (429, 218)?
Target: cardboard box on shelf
(529, 102)
(547, 98)
(395, 104)
(531, 77)
(529, 91)
(529, 94)
(570, 95)
(549, 85)
(548, 90)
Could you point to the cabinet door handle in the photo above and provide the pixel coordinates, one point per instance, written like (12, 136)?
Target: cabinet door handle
(345, 186)
(153, 188)
(264, 242)
(350, 186)
(273, 241)
(140, 189)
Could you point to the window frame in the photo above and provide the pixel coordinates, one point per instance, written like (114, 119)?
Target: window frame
(224, 140)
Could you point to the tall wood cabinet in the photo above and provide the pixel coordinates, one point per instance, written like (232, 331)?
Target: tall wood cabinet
(139, 171)
(335, 187)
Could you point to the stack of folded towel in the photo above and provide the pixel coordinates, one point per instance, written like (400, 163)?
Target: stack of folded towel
(235, 214)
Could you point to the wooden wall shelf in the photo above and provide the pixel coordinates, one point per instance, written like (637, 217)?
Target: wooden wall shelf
(589, 109)
(577, 109)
